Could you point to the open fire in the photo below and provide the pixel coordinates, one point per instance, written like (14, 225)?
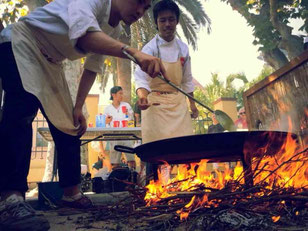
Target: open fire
(281, 178)
(199, 198)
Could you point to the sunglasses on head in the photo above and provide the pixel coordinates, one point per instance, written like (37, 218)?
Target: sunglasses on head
(242, 113)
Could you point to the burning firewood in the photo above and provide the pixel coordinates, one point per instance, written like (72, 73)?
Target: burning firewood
(198, 200)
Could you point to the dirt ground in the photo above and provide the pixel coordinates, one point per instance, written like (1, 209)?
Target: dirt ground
(67, 219)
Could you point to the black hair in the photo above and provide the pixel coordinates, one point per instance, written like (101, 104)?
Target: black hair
(166, 5)
(114, 90)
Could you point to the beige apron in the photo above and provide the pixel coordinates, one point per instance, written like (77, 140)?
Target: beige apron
(42, 78)
(171, 118)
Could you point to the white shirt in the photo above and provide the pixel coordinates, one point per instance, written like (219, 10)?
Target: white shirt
(169, 52)
(69, 20)
(117, 114)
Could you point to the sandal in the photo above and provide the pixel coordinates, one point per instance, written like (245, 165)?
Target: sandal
(82, 203)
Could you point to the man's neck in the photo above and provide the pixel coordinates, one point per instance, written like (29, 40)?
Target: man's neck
(167, 39)
(114, 17)
(116, 104)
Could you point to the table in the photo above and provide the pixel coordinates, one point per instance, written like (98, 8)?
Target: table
(95, 134)
(101, 134)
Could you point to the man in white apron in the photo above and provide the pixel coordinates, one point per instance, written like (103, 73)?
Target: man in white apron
(31, 53)
(165, 111)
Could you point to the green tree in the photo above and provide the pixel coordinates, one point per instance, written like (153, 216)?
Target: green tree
(11, 10)
(238, 94)
(204, 119)
(217, 89)
(270, 21)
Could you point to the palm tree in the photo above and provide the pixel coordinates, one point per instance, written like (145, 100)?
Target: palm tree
(218, 88)
(193, 17)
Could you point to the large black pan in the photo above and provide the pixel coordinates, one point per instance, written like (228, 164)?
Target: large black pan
(228, 146)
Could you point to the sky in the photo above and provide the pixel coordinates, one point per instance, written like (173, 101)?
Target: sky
(228, 49)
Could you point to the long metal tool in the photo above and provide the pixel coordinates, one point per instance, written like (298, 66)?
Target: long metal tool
(221, 116)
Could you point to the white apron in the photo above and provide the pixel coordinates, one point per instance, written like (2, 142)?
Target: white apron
(51, 87)
(171, 118)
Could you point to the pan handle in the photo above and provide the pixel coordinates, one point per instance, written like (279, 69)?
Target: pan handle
(121, 148)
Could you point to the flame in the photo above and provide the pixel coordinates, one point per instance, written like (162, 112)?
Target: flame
(275, 218)
(297, 213)
(279, 163)
(284, 169)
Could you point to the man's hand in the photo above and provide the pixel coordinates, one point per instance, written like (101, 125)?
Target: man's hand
(80, 120)
(108, 119)
(143, 103)
(150, 64)
(194, 110)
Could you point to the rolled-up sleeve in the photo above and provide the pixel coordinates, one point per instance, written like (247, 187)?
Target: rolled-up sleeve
(142, 79)
(187, 80)
(82, 17)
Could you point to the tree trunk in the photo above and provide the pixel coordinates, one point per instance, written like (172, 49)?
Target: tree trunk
(275, 58)
(124, 68)
(291, 43)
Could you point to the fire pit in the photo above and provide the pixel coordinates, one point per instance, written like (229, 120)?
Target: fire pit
(218, 147)
(278, 200)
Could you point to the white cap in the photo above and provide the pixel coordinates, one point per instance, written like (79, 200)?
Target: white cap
(305, 39)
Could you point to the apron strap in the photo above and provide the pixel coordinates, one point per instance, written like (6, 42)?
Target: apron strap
(158, 49)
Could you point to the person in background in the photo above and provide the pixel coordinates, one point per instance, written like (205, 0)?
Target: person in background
(31, 55)
(165, 111)
(117, 112)
(241, 122)
(216, 127)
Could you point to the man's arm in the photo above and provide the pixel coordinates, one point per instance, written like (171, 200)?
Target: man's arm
(188, 85)
(85, 85)
(101, 43)
(193, 108)
(86, 82)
